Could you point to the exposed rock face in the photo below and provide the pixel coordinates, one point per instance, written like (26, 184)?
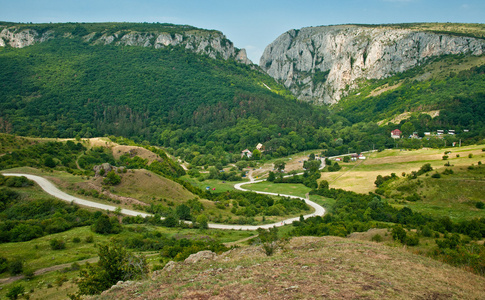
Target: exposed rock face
(323, 63)
(107, 168)
(201, 255)
(211, 43)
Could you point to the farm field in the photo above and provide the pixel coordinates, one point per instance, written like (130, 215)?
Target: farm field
(359, 176)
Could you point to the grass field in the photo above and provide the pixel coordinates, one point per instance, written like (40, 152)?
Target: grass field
(360, 177)
(452, 195)
(37, 254)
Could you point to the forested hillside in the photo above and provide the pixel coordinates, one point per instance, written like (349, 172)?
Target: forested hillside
(66, 87)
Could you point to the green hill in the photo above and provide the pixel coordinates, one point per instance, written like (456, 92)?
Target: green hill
(67, 86)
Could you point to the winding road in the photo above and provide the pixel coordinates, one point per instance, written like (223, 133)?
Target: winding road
(52, 190)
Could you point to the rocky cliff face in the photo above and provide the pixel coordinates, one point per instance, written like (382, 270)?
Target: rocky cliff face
(211, 43)
(322, 64)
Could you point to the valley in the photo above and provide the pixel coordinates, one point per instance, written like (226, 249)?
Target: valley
(156, 161)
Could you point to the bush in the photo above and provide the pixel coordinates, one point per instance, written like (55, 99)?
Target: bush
(412, 240)
(377, 238)
(57, 244)
(3, 265)
(445, 157)
(15, 291)
(76, 240)
(470, 155)
(436, 175)
(480, 205)
(89, 239)
(114, 264)
(16, 267)
(112, 178)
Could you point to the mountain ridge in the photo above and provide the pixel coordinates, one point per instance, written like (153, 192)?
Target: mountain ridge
(322, 64)
(208, 42)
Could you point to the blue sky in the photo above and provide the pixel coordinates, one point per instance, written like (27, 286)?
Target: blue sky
(249, 24)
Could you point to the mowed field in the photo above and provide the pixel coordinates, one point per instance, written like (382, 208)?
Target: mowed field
(360, 176)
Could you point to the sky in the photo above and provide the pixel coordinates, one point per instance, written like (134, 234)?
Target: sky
(249, 24)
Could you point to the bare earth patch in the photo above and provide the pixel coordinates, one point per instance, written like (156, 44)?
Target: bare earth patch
(309, 268)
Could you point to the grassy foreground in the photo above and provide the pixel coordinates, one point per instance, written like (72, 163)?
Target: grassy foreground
(309, 268)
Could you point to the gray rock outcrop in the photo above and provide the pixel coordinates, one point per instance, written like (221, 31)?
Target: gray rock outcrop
(106, 167)
(201, 255)
(211, 43)
(322, 64)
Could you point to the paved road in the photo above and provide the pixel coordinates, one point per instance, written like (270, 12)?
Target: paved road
(51, 189)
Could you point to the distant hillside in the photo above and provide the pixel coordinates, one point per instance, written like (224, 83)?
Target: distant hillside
(323, 64)
(309, 268)
(452, 86)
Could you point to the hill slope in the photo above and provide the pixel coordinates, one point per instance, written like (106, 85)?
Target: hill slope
(68, 85)
(311, 268)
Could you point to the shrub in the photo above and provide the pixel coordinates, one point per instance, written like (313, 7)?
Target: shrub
(377, 238)
(448, 172)
(479, 205)
(114, 264)
(436, 175)
(445, 157)
(15, 291)
(399, 234)
(57, 244)
(89, 239)
(112, 178)
(412, 240)
(76, 240)
(16, 267)
(470, 155)
(3, 265)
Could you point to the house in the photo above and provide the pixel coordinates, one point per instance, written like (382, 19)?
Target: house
(440, 132)
(415, 135)
(396, 134)
(427, 133)
(246, 153)
(451, 132)
(338, 159)
(361, 156)
(260, 147)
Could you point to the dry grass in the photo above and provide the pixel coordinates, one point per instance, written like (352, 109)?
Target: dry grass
(361, 178)
(310, 268)
(144, 186)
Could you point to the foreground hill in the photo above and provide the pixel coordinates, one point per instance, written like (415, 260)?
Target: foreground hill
(322, 64)
(309, 268)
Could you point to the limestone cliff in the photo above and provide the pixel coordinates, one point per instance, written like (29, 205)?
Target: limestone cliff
(322, 64)
(211, 43)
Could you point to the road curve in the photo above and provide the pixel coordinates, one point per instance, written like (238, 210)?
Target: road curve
(52, 190)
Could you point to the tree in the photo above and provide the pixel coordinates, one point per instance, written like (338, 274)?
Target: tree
(256, 154)
(279, 165)
(271, 176)
(183, 212)
(323, 185)
(114, 264)
(407, 129)
(49, 162)
(102, 225)
(202, 222)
